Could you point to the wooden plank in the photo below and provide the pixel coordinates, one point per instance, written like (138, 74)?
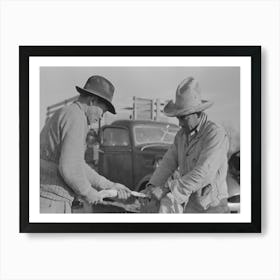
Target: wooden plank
(64, 102)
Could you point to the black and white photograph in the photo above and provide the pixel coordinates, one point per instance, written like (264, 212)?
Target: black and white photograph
(113, 137)
(134, 139)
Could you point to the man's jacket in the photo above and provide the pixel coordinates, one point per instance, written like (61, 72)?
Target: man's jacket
(201, 160)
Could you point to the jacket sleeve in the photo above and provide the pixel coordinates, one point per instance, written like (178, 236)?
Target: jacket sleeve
(71, 162)
(167, 166)
(215, 146)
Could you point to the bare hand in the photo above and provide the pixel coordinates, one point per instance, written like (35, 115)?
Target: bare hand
(93, 196)
(158, 193)
(148, 190)
(123, 192)
(109, 193)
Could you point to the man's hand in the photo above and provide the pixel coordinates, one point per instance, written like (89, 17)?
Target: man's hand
(93, 196)
(148, 190)
(109, 193)
(158, 192)
(150, 204)
(155, 192)
(123, 192)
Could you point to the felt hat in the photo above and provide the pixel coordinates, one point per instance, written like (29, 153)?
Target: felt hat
(101, 87)
(188, 100)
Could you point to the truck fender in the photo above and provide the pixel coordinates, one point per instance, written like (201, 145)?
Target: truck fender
(142, 183)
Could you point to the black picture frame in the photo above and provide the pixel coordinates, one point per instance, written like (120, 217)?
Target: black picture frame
(254, 52)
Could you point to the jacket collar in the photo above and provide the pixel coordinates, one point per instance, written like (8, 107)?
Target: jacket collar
(194, 136)
(195, 132)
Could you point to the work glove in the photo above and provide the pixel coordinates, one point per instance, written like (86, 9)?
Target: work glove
(123, 192)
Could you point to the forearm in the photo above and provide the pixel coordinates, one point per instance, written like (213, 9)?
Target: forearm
(160, 176)
(74, 177)
(166, 168)
(76, 180)
(96, 180)
(195, 179)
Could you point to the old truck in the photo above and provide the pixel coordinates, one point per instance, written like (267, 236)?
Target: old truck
(130, 150)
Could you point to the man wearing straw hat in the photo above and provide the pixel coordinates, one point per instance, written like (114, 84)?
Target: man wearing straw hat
(199, 154)
(64, 174)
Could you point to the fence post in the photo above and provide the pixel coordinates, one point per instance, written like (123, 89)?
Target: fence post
(153, 109)
(157, 109)
(134, 108)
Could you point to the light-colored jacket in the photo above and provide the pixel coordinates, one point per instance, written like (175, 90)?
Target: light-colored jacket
(63, 170)
(201, 160)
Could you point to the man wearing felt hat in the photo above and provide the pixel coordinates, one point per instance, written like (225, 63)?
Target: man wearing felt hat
(64, 173)
(199, 154)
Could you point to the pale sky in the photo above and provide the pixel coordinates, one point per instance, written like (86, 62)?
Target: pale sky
(219, 84)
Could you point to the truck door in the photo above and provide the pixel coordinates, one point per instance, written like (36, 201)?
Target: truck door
(115, 155)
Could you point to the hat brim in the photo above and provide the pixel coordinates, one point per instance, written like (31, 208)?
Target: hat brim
(108, 103)
(172, 110)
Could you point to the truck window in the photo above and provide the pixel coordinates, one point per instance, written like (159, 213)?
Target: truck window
(115, 137)
(147, 134)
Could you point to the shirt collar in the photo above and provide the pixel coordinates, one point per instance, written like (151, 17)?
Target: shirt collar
(203, 118)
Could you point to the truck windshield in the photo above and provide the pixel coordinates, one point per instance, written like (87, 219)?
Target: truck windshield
(148, 134)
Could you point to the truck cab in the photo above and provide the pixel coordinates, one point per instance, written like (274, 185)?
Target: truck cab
(131, 149)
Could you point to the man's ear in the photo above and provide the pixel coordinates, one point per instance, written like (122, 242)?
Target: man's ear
(91, 100)
(94, 100)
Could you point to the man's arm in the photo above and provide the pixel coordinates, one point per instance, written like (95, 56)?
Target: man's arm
(96, 180)
(71, 162)
(167, 166)
(215, 147)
